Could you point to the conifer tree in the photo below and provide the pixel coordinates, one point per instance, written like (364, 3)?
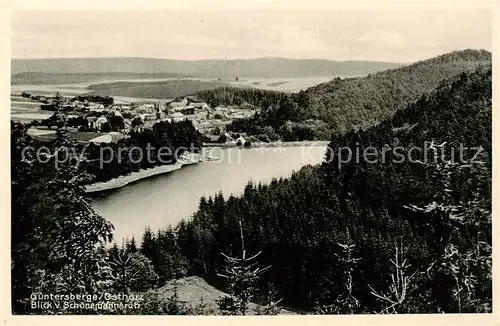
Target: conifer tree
(242, 274)
(468, 212)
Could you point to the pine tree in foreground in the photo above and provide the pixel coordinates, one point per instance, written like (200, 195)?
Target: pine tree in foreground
(242, 275)
(345, 303)
(400, 285)
(468, 267)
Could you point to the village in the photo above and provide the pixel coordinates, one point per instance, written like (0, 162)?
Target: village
(102, 120)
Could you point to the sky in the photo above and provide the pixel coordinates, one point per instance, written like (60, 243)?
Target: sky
(378, 35)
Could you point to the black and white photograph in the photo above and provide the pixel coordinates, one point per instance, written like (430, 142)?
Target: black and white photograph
(264, 160)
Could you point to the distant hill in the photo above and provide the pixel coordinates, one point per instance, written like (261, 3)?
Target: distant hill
(257, 68)
(154, 90)
(354, 103)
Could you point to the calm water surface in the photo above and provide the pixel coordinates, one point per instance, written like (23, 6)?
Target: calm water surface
(168, 198)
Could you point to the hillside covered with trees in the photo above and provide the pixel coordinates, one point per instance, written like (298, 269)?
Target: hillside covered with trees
(155, 90)
(350, 103)
(390, 234)
(354, 103)
(405, 236)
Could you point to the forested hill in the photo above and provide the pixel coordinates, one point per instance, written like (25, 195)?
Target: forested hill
(354, 103)
(347, 104)
(335, 234)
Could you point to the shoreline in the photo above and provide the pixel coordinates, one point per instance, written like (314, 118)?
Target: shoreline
(272, 144)
(124, 180)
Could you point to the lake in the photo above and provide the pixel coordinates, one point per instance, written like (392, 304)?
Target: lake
(166, 199)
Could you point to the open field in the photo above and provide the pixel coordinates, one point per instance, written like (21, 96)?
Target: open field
(192, 290)
(42, 89)
(27, 117)
(26, 110)
(25, 105)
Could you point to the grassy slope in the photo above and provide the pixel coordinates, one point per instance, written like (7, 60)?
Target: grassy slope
(191, 290)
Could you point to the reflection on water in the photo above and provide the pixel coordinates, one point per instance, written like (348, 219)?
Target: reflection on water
(166, 199)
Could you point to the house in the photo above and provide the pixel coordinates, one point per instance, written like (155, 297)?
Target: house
(177, 103)
(201, 115)
(99, 122)
(148, 125)
(177, 116)
(110, 137)
(116, 136)
(148, 117)
(145, 126)
(238, 116)
(198, 105)
(190, 116)
(106, 138)
(228, 136)
(147, 107)
(187, 110)
(205, 124)
(213, 138)
(240, 141)
(127, 125)
(192, 100)
(93, 109)
(239, 134)
(174, 105)
(91, 122)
